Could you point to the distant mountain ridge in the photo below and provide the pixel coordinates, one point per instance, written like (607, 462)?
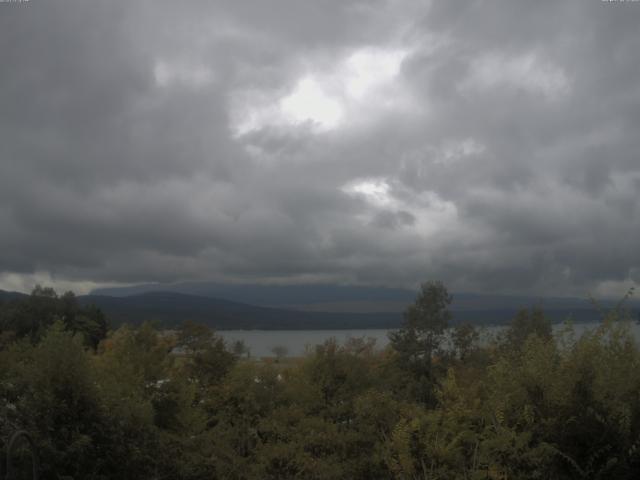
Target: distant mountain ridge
(169, 309)
(6, 295)
(354, 299)
(269, 294)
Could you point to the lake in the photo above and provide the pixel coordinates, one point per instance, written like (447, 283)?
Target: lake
(260, 342)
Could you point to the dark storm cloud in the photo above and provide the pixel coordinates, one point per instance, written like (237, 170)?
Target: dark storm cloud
(493, 144)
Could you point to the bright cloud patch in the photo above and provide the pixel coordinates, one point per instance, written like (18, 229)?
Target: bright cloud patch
(368, 70)
(367, 79)
(427, 212)
(25, 282)
(527, 72)
(375, 191)
(310, 103)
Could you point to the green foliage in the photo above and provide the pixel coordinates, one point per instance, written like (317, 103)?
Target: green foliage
(51, 391)
(208, 359)
(29, 317)
(421, 336)
(464, 338)
(526, 323)
(148, 405)
(424, 323)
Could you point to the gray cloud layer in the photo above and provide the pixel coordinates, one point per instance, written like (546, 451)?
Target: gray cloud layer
(492, 145)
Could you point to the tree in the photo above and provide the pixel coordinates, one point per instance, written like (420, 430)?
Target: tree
(30, 316)
(208, 358)
(421, 334)
(464, 338)
(240, 348)
(526, 323)
(280, 351)
(88, 320)
(60, 405)
(424, 323)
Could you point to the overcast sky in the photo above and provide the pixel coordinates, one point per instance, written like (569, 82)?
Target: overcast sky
(494, 145)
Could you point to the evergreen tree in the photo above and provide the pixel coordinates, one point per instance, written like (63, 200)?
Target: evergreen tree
(421, 335)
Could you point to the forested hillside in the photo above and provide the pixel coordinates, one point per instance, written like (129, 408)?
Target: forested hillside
(103, 403)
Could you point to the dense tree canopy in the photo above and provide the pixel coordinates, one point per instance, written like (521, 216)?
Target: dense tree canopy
(29, 317)
(146, 404)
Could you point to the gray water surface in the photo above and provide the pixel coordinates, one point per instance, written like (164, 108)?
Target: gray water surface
(261, 342)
